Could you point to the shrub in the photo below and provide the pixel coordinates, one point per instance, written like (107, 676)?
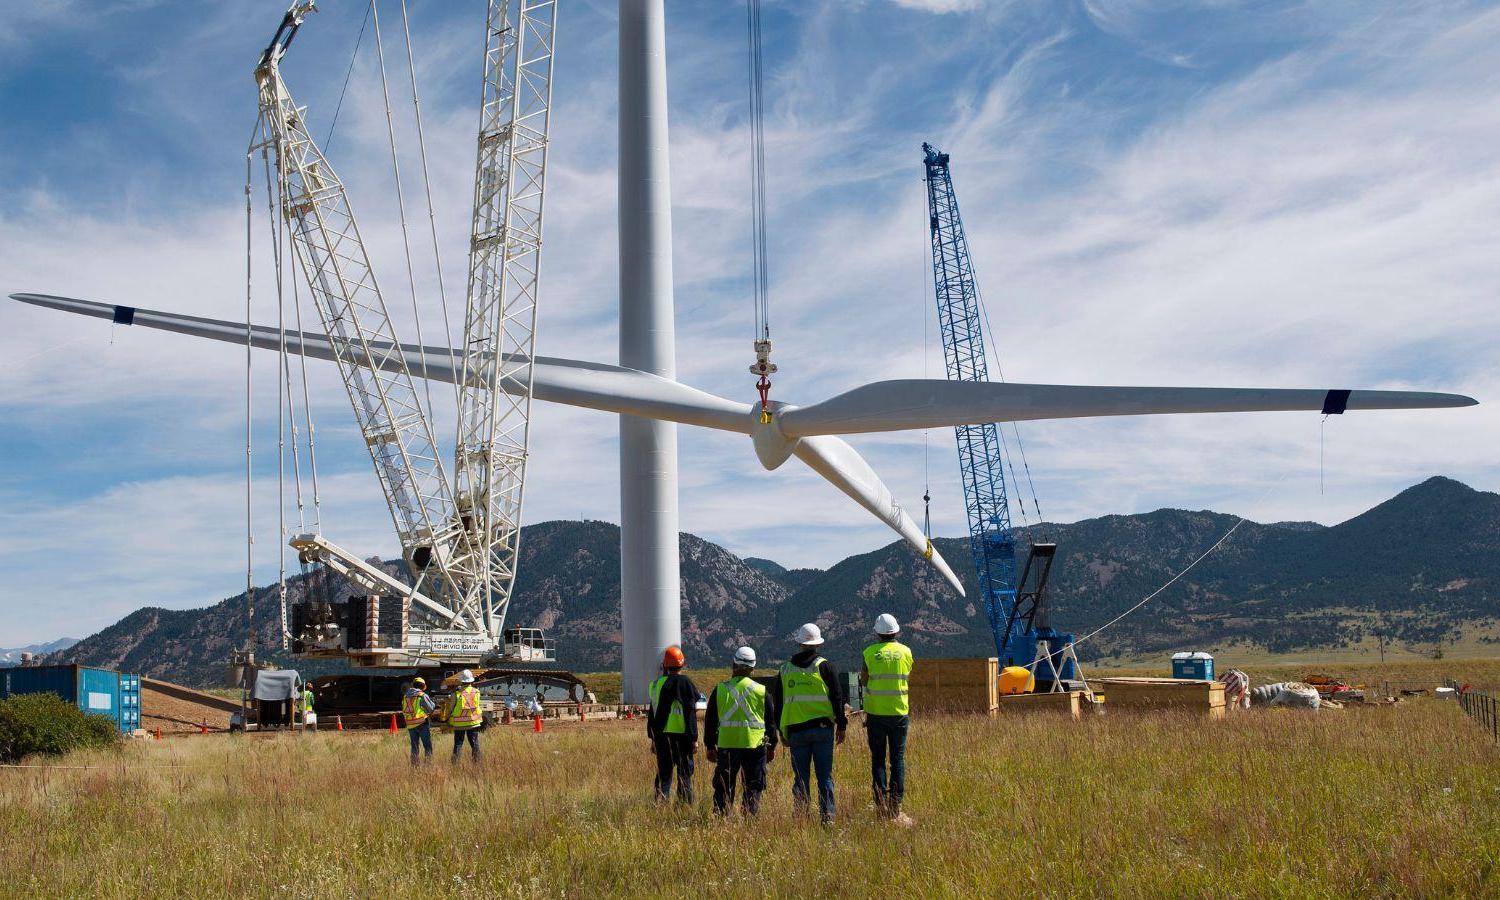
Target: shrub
(45, 723)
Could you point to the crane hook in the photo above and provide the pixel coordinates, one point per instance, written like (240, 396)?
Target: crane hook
(763, 367)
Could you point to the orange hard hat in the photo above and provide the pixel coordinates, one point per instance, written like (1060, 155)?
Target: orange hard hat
(673, 658)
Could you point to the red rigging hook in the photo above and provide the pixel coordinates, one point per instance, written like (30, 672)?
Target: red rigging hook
(763, 367)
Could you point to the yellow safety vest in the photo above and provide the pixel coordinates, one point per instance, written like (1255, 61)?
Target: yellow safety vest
(306, 701)
(741, 704)
(415, 708)
(676, 724)
(465, 712)
(889, 664)
(804, 695)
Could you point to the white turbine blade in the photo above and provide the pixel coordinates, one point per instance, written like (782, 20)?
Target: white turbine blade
(932, 403)
(571, 382)
(842, 465)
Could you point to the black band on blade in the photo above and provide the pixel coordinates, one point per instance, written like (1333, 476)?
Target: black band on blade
(1335, 403)
(125, 315)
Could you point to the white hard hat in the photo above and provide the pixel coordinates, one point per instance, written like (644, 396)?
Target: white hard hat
(885, 623)
(744, 656)
(465, 677)
(808, 635)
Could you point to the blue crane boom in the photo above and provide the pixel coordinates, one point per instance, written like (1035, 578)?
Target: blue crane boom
(1017, 616)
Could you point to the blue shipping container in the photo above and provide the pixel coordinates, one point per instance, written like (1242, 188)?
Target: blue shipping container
(130, 703)
(92, 690)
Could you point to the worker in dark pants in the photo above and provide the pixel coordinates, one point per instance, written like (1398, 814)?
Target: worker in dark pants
(887, 667)
(672, 726)
(810, 701)
(736, 737)
(417, 708)
(465, 716)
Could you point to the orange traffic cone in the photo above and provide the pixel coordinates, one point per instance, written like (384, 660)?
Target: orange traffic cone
(339, 721)
(581, 716)
(393, 723)
(203, 729)
(536, 723)
(158, 733)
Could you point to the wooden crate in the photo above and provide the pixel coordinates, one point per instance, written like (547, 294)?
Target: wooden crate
(954, 686)
(1069, 703)
(1162, 693)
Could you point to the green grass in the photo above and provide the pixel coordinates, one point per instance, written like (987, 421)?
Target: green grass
(1397, 801)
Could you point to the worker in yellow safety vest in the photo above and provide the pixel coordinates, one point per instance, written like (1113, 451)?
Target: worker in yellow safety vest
(672, 726)
(887, 668)
(810, 699)
(305, 702)
(417, 709)
(735, 733)
(465, 716)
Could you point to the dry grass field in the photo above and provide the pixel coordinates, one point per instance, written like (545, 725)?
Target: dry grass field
(1397, 801)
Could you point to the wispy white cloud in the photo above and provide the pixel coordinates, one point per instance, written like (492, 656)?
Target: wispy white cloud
(939, 6)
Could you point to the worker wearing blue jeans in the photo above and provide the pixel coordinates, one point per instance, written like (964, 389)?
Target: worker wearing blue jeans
(886, 671)
(417, 709)
(810, 698)
(812, 748)
(888, 733)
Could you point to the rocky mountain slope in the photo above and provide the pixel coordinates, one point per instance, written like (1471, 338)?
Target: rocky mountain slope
(1421, 568)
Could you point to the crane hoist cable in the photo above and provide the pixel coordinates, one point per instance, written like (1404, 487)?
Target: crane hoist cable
(437, 258)
(762, 367)
(353, 55)
(1014, 427)
(926, 373)
(390, 131)
(249, 386)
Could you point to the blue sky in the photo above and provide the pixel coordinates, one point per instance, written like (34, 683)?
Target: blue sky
(1229, 193)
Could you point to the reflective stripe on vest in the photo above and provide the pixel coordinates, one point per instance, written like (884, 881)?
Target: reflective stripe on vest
(804, 695)
(675, 722)
(415, 708)
(741, 705)
(466, 712)
(889, 664)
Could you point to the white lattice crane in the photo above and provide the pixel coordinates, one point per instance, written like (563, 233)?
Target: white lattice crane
(459, 538)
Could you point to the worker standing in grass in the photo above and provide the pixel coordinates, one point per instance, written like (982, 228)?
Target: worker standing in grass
(465, 716)
(672, 726)
(417, 709)
(810, 699)
(887, 668)
(736, 737)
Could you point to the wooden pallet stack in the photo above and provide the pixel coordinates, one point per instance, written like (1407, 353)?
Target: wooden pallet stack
(955, 686)
(1163, 693)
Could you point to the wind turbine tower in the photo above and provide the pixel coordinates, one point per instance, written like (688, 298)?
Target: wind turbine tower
(650, 587)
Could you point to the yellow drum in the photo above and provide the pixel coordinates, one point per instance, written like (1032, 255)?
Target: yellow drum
(1016, 680)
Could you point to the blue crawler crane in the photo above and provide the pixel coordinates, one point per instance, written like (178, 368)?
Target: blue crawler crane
(1016, 610)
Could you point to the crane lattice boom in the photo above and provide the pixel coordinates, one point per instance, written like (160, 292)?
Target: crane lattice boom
(500, 313)
(327, 244)
(991, 539)
(460, 541)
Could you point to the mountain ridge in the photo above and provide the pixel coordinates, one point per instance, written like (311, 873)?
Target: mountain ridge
(1422, 568)
(11, 656)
